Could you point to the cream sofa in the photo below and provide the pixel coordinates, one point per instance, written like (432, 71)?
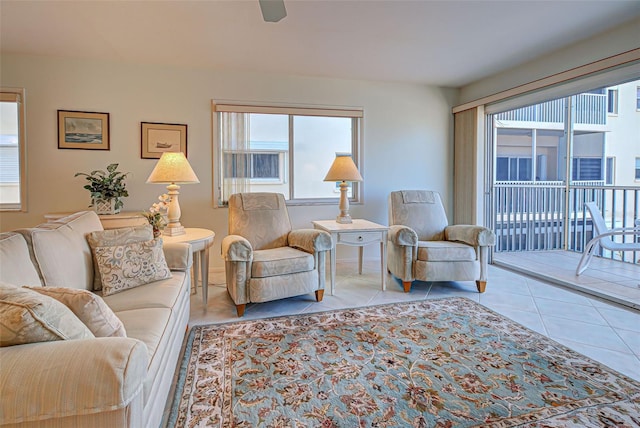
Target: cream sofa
(98, 382)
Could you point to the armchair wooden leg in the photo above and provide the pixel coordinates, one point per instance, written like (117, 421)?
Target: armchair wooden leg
(240, 309)
(407, 286)
(319, 295)
(482, 285)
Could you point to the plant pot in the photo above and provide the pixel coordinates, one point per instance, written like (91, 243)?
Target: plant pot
(105, 206)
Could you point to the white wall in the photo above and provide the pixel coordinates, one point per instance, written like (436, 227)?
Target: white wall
(616, 41)
(623, 140)
(407, 133)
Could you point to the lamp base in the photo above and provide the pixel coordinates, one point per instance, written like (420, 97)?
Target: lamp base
(344, 219)
(174, 231)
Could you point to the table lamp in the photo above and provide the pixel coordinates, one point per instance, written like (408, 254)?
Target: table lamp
(343, 170)
(173, 168)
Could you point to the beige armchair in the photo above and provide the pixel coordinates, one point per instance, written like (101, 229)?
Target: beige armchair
(422, 246)
(264, 259)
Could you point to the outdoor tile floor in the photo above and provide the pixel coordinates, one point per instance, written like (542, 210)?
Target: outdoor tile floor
(606, 332)
(610, 279)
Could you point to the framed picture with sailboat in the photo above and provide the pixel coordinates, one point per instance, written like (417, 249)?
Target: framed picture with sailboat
(158, 138)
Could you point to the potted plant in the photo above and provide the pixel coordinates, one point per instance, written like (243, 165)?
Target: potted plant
(156, 216)
(106, 187)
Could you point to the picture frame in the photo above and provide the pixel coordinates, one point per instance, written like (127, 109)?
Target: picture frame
(157, 138)
(83, 130)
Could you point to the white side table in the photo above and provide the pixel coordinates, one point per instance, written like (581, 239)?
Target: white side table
(201, 240)
(357, 234)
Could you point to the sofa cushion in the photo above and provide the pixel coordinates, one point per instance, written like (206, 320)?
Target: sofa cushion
(60, 250)
(157, 294)
(28, 317)
(15, 262)
(89, 308)
(130, 265)
(280, 261)
(120, 236)
(152, 327)
(445, 251)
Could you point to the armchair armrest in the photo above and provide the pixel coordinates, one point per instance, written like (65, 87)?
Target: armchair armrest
(310, 240)
(402, 235)
(235, 248)
(477, 236)
(58, 379)
(178, 255)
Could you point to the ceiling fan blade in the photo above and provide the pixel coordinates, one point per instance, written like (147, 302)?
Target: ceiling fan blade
(272, 10)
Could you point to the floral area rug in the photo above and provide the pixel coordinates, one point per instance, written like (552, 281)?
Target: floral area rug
(435, 363)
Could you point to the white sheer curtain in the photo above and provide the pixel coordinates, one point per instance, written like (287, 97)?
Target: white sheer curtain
(235, 161)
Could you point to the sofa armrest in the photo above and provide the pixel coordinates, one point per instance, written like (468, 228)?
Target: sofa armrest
(58, 379)
(178, 255)
(310, 240)
(402, 235)
(477, 236)
(235, 248)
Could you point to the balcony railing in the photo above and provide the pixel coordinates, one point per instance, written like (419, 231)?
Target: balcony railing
(539, 216)
(591, 109)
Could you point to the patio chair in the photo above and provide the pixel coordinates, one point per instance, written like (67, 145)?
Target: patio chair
(264, 258)
(602, 236)
(422, 245)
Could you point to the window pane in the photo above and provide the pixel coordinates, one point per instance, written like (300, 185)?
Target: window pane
(315, 143)
(524, 169)
(637, 168)
(265, 165)
(9, 154)
(502, 169)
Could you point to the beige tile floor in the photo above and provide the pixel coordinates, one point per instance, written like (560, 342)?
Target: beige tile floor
(610, 279)
(606, 332)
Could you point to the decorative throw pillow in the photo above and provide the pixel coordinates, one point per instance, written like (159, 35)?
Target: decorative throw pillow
(121, 236)
(130, 265)
(89, 308)
(29, 317)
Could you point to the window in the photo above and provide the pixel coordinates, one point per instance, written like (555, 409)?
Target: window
(612, 101)
(12, 150)
(610, 171)
(513, 169)
(637, 168)
(282, 149)
(587, 169)
(638, 98)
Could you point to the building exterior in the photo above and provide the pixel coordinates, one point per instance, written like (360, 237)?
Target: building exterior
(538, 196)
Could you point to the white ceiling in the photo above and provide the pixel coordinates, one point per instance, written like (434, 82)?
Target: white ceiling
(445, 43)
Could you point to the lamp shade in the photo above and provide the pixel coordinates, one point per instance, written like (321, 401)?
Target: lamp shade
(343, 169)
(173, 168)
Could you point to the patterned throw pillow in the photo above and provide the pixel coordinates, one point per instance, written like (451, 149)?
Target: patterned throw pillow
(29, 317)
(120, 236)
(130, 265)
(89, 308)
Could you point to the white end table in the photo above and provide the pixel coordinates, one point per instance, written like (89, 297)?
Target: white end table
(357, 234)
(201, 240)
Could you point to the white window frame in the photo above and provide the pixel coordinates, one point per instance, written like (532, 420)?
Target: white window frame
(17, 95)
(612, 107)
(610, 171)
(281, 166)
(355, 113)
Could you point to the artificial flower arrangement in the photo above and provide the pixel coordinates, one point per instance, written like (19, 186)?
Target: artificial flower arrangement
(156, 214)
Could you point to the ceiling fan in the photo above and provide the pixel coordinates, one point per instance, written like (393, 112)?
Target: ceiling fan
(272, 10)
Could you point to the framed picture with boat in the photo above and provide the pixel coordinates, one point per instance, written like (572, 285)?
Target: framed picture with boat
(83, 130)
(158, 138)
